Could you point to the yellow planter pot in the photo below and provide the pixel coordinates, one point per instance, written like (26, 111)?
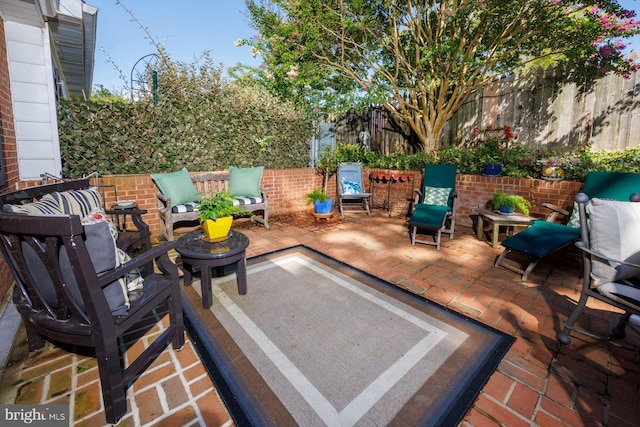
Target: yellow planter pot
(217, 229)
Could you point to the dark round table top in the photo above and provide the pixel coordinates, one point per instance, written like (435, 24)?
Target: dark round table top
(192, 245)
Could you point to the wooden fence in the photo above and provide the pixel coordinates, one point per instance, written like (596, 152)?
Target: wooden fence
(542, 112)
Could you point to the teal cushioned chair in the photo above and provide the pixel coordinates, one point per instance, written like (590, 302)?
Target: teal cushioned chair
(435, 204)
(544, 237)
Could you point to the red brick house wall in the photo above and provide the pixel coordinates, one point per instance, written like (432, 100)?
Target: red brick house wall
(8, 139)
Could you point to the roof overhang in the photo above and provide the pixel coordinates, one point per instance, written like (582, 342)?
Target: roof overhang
(72, 28)
(73, 33)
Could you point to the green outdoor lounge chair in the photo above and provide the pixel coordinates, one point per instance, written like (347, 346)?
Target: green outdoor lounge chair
(435, 204)
(544, 237)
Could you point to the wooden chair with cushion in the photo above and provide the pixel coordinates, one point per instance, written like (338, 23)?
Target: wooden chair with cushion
(352, 196)
(545, 236)
(435, 204)
(71, 286)
(179, 192)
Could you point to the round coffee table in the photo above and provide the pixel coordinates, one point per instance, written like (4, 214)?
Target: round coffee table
(197, 253)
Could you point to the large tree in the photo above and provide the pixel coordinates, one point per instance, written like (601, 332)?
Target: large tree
(423, 59)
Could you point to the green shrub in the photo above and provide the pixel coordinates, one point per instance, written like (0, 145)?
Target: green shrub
(200, 122)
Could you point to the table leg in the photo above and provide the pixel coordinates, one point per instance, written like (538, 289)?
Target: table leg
(480, 227)
(372, 188)
(241, 276)
(187, 271)
(205, 285)
(494, 237)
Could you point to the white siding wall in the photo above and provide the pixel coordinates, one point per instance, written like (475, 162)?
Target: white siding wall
(32, 90)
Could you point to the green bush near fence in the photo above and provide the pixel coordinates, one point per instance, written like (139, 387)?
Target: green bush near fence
(519, 162)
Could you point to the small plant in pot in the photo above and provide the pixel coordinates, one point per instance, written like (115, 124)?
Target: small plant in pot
(322, 204)
(215, 214)
(493, 144)
(507, 203)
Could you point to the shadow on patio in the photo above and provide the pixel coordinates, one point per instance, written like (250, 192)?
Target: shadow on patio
(590, 382)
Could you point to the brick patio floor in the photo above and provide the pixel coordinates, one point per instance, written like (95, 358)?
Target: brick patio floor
(589, 382)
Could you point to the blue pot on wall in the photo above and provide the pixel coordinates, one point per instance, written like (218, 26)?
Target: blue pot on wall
(323, 207)
(492, 170)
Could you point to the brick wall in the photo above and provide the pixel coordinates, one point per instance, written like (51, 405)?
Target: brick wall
(8, 138)
(287, 188)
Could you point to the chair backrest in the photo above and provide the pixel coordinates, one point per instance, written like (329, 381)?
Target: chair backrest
(32, 194)
(54, 272)
(439, 176)
(605, 185)
(350, 178)
(611, 185)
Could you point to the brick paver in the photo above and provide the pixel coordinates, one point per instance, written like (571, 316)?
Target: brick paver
(589, 382)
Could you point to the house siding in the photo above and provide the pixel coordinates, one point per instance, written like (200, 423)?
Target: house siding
(33, 96)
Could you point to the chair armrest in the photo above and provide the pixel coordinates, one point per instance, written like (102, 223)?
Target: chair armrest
(555, 210)
(583, 247)
(264, 192)
(158, 253)
(417, 196)
(164, 202)
(132, 212)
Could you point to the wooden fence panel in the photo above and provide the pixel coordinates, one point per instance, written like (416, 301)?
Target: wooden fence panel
(542, 112)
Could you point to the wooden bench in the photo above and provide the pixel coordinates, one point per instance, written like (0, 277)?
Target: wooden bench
(207, 183)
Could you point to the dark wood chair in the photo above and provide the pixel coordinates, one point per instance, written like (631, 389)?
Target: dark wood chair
(61, 296)
(128, 240)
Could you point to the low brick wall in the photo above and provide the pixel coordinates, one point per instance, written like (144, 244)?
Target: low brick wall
(287, 188)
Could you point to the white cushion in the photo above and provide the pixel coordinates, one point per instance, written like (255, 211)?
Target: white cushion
(615, 233)
(436, 196)
(625, 293)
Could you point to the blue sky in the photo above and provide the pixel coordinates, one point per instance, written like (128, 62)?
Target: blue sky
(186, 28)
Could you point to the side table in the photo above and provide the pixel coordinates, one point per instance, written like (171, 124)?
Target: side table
(116, 207)
(497, 220)
(198, 253)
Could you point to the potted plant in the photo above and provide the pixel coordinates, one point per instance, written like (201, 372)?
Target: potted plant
(493, 144)
(327, 166)
(554, 167)
(215, 214)
(322, 204)
(507, 203)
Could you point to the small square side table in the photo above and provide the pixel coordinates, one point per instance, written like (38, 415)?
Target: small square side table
(496, 220)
